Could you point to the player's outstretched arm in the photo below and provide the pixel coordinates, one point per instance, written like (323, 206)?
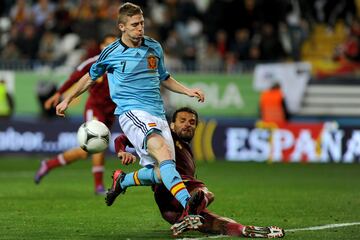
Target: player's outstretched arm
(84, 83)
(71, 81)
(177, 87)
(121, 142)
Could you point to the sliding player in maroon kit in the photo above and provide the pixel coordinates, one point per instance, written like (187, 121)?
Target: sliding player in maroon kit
(98, 106)
(183, 125)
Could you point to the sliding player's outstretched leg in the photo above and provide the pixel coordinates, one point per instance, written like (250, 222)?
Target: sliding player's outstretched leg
(116, 188)
(263, 232)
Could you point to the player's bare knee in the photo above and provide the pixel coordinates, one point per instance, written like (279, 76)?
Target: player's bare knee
(157, 147)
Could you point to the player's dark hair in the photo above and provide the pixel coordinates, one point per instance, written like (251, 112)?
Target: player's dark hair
(185, 109)
(128, 10)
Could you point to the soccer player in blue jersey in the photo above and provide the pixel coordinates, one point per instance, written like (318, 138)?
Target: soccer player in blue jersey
(135, 68)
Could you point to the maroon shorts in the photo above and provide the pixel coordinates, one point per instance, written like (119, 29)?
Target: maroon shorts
(102, 113)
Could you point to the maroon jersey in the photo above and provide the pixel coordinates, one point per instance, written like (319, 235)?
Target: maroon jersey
(185, 163)
(98, 93)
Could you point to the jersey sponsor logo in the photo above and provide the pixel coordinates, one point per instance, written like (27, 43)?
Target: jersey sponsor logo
(152, 63)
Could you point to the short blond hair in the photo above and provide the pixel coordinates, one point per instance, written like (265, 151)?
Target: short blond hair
(128, 10)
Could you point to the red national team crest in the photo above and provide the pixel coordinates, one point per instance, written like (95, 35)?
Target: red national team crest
(152, 63)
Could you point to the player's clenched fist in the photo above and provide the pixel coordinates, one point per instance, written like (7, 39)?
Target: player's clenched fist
(61, 108)
(126, 158)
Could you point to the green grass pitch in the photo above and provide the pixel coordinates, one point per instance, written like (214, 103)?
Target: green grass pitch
(291, 196)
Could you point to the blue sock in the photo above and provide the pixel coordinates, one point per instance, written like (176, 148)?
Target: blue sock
(173, 182)
(144, 177)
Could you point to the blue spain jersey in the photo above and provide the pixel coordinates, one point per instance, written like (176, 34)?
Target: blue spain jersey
(134, 75)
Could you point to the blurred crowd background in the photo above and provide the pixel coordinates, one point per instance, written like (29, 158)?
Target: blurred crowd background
(197, 35)
(290, 65)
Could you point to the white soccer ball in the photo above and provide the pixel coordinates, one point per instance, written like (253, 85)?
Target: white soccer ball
(93, 136)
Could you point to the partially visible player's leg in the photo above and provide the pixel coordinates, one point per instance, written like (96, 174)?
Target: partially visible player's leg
(221, 225)
(216, 224)
(145, 176)
(98, 160)
(60, 160)
(100, 113)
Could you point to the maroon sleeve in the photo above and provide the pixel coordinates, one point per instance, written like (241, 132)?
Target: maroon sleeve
(80, 71)
(121, 142)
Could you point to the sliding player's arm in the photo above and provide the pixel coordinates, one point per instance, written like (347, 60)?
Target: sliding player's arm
(121, 142)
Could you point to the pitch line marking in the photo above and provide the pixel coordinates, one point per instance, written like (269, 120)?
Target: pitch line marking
(314, 228)
(323, 227)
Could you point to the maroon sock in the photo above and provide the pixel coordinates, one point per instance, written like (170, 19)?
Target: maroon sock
(54, 163)
(234, 229)
(98, 172)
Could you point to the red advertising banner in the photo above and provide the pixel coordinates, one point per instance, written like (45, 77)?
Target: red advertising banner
(292, 142)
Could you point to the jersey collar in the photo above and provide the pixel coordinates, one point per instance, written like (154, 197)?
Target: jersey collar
(127, 47)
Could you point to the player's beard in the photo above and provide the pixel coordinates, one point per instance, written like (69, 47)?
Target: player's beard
(186, 134)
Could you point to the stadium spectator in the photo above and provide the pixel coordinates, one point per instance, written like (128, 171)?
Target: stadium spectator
(250, 12)
(48, 47)
(270, 46)
(221, 43)
(31, 37)
(211, 59)
(20, 13)
(62, 18)
(297, 28)
(134, 81)
(85, 11)
(183, 126)
(43, 14)
(241, 45)
(11, 52)
(98, 106)
(174, 45)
